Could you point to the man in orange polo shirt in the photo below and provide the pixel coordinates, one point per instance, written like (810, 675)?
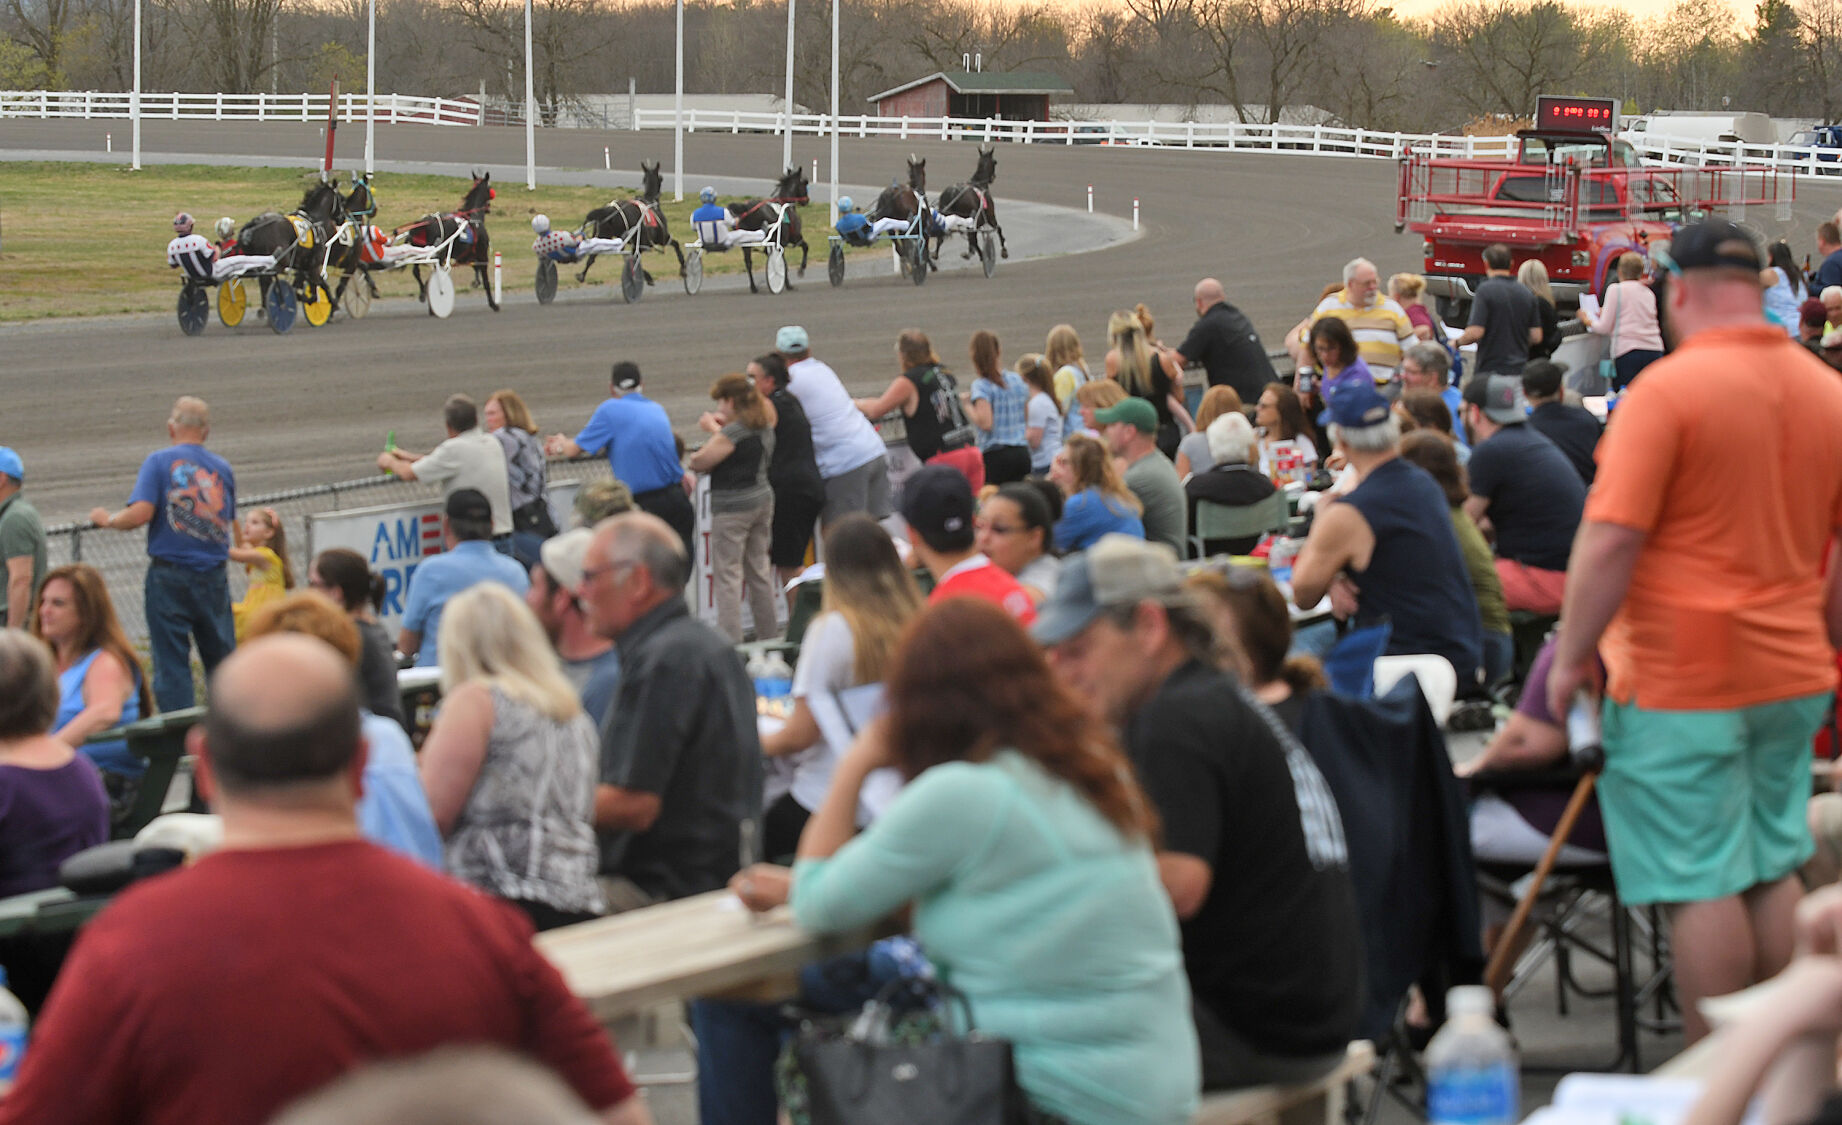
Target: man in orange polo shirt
(1698, 574)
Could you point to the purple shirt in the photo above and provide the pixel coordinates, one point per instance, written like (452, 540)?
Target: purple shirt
(47, 816)
(1542, 808)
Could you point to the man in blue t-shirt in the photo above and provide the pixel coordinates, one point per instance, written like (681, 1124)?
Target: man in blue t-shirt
(851, 225)
(641, 448)
(468, 560)
(186, 497)
(1829, 245)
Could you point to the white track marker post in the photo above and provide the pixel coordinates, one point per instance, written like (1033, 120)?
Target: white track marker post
(371, 90)
(678, 117)
(1135, 213)
(607, 159)
(108, 142)
(835, 5)
(134, 99)
(786, 145)
(530, 108)
(815, 169)
(498, 275)
(1090, 199)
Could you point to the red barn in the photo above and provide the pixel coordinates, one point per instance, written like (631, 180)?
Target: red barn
(1017, 96)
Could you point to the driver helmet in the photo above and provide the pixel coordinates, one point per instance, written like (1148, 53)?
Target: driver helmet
(540, 224)
(226, 226)
(708, 195)
(182, 223)
(846, 205)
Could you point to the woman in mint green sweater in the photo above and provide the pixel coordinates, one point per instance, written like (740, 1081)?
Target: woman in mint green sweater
(1024, 844)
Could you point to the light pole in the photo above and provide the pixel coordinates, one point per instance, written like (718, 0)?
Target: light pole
(134, 99)
(530, 108)
(835, 5)
(678, 117)
(371, 91)
(786, 148)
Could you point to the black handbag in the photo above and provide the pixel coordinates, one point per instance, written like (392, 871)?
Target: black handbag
(871, 1075)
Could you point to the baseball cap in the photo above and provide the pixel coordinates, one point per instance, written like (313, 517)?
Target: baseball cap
(468, 504)
(11, 465)
(626, 376)
(1355, 403)
(937, 502)
(1714, 244)
(1117, 570)
(562, 557)
(1500, 396)
(1135, 411)
(791, 338)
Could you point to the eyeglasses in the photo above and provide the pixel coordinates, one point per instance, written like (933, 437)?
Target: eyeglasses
(589, 574)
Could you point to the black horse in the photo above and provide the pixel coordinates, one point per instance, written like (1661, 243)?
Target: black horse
(346, 257)
(779, 215)
(973, 201)
(467, 228)
(901, 202)
(295, 239)
(634, 219)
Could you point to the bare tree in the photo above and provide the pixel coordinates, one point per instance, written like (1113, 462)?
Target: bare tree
(42, 26)
(1819, 29)
(1496, 56)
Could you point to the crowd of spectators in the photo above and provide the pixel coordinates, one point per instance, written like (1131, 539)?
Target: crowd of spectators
(1053, 697)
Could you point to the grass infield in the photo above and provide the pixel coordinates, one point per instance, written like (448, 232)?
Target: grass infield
(90, 239)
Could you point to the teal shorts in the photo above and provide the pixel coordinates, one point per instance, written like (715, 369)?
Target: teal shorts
(1701, 805)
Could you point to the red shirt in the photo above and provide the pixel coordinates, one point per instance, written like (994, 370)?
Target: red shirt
(979, 577)
(219, 994)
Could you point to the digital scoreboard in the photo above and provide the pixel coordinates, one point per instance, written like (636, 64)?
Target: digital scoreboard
(1576, 115)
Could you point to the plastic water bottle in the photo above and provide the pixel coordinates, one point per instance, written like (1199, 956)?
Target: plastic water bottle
(776, 682)
(1280, 557)
(1472, 1076)
(13, 1026)
(758, 673)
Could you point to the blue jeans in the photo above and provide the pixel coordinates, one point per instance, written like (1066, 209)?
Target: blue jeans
(184, 606)
(738, 1042)
(1499, 657)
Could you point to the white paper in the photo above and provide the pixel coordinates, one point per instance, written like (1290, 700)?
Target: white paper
(1589, 304)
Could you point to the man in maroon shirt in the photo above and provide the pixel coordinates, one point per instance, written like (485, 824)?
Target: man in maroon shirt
(218, 994)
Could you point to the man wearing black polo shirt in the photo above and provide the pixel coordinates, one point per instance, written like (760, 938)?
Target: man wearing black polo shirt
(1223, 340)
(1505, 317)
(1523, 485)
(1572, 429)
(1253, 854)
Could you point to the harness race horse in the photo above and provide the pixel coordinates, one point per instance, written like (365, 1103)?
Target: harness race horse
(463, 232)
(294, 239)
(637, 222)
(899, 201)
(778, 217)
(346, 256)
(972, 201)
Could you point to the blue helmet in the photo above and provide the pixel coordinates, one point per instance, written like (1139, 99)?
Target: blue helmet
(708, 195)
(845, 206)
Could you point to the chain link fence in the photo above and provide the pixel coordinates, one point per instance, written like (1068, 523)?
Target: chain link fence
(121, 556)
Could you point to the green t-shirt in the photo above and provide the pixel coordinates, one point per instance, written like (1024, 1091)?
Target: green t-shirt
(22, 534)
(1492, 610)
(1153, 479)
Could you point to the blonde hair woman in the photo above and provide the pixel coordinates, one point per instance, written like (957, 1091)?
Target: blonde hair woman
(527, 472)
(1062, 351)
(1043, 426)
(1407, 289)
(869, 599)
(1098, 501)
(1149, 372)
(736, 455)
(1534, 277)
(1098, 395)
(1193, 454)
(510, 765)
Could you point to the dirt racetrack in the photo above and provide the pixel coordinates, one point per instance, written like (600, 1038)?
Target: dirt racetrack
(84, 400)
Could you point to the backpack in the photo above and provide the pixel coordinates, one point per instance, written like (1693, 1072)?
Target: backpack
(942, 390)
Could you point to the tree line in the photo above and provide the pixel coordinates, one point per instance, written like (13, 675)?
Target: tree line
(1357, 60)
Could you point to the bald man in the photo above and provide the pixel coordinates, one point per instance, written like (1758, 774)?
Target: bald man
(292, 937)
(1224, 342)
(186, 498)
(679, 804)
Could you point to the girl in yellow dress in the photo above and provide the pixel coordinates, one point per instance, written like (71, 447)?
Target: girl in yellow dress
(262, 548)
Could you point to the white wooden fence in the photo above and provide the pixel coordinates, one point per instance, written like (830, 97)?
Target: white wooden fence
(1325, 140)
(390, 108)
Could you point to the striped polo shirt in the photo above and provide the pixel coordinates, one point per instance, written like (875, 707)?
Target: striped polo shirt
(1381, 330)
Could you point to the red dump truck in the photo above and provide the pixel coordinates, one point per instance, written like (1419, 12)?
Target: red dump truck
(1575, 196)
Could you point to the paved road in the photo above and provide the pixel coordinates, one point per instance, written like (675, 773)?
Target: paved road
(85, 401)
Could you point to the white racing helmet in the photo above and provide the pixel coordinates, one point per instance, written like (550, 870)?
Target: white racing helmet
(226, 226)
(540, 224)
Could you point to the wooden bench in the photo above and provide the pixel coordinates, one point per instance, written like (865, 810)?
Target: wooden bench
(1314, 1103)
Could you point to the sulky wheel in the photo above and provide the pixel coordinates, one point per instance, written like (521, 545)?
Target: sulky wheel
(917, 262)
(632, 278)
(834, 265)
(194, 308)
(232, 302)
(694, 270)
(281, 306)
(546, 281)
(776, 269)
(441, 292)
(316, 302)
(356, 299)
(988, 252)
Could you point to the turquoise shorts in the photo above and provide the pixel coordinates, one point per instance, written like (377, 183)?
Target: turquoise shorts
(1701, 805)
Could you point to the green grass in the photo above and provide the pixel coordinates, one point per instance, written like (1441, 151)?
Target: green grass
(90, 239)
